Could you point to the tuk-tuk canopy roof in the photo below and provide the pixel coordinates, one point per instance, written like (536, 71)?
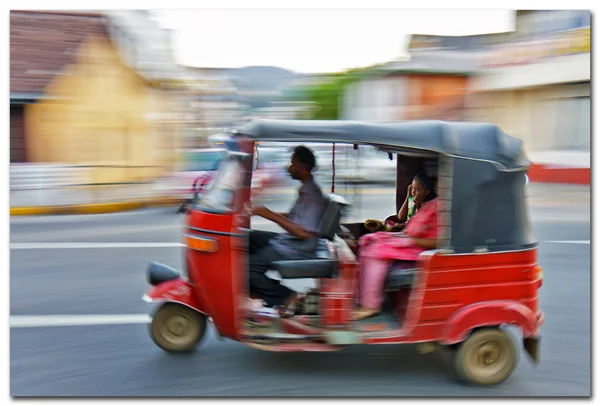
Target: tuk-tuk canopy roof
(478, 141)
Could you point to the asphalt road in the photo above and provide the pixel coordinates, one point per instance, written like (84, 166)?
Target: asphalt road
(111, 354)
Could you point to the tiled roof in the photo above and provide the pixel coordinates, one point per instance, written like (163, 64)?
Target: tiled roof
(43, 43)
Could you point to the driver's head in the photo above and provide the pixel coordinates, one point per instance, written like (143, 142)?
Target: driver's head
(303, 163)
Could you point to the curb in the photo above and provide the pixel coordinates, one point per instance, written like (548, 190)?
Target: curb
(543, 173)
(98, 208)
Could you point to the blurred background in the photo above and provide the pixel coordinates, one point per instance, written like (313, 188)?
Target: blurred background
(115, 107)
(100, 109)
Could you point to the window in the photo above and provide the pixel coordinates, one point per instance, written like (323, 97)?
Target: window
(17, 135)
(220, 195)
(201, 161)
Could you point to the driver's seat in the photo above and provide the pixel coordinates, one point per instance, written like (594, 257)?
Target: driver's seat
(322, 265)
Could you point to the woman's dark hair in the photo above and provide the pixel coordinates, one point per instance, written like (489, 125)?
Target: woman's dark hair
(428, 183)
(306, 156)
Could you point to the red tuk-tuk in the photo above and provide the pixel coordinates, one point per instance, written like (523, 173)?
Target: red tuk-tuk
(483, 276)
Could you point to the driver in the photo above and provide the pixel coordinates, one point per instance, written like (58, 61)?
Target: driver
(301, 224)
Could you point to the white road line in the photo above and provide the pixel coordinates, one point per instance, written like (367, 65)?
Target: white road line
(570, 242)
(561, 219)
(77, 320)
(75, 245)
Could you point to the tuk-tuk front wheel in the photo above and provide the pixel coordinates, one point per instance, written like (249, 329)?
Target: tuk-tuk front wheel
(489, 356)
(177, 328)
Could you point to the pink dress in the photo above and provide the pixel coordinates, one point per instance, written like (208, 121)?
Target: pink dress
(379, 249)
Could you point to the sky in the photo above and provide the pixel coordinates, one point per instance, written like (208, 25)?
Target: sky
(314, 41)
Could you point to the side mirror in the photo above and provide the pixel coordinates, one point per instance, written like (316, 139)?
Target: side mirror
(196, 188)
(255, 159)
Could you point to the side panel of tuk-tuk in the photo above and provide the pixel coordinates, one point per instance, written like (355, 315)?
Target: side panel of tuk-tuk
(217, 255)
(481, 289)
(209, 240)
(467, 291)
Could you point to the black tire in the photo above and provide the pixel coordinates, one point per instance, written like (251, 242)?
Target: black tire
(177, 328)
(488, 357)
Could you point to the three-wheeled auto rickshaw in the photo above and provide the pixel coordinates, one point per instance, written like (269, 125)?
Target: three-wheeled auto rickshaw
(482, 277)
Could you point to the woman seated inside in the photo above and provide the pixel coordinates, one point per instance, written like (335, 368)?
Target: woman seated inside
(378, 250)
(407, 211)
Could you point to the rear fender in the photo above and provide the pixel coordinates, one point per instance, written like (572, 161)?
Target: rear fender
(176, 291)
(487, 314)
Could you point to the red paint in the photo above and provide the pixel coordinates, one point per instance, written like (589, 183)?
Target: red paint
(552, 174)
(290, 326)
(452, 294)
(336, 303)
(489, 313)
(296, 347)
(462, 292)
(179, 291)
(216, 273)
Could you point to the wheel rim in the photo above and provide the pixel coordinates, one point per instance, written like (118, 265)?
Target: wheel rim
(489, 358)
(178, 329)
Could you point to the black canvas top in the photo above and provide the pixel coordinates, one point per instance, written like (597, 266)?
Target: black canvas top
(476, 141)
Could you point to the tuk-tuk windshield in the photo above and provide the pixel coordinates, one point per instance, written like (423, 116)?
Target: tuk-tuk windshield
(220, 194)
(202, 161)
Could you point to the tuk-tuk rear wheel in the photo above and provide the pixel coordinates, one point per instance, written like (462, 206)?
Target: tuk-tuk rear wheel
(177, 328)
(488, 357)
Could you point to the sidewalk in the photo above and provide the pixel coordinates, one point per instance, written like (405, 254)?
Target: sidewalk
(87, 200)
(566, 167)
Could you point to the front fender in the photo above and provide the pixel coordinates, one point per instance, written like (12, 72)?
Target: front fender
(177, 290)
(487, 314)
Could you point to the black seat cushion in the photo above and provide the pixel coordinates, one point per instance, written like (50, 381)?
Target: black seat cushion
(401, 275)
(320, 265)
(306, 268)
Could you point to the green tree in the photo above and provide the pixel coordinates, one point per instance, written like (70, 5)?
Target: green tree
(327, 95)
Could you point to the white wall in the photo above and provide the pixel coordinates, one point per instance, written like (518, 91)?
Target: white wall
(561, 69)
(375, 99)
(553, 121)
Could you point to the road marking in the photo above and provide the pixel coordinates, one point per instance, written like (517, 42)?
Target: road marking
(570, 242)
(560, 219)
(75, 245)
(77, 320)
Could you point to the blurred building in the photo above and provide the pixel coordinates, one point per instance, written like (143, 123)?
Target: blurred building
(231, 96)
(217, 106)
(94, 89)
(533, 82)
(536, 86)
(430, 84)
(288, 110)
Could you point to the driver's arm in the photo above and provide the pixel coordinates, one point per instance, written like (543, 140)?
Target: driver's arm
(289, 226)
